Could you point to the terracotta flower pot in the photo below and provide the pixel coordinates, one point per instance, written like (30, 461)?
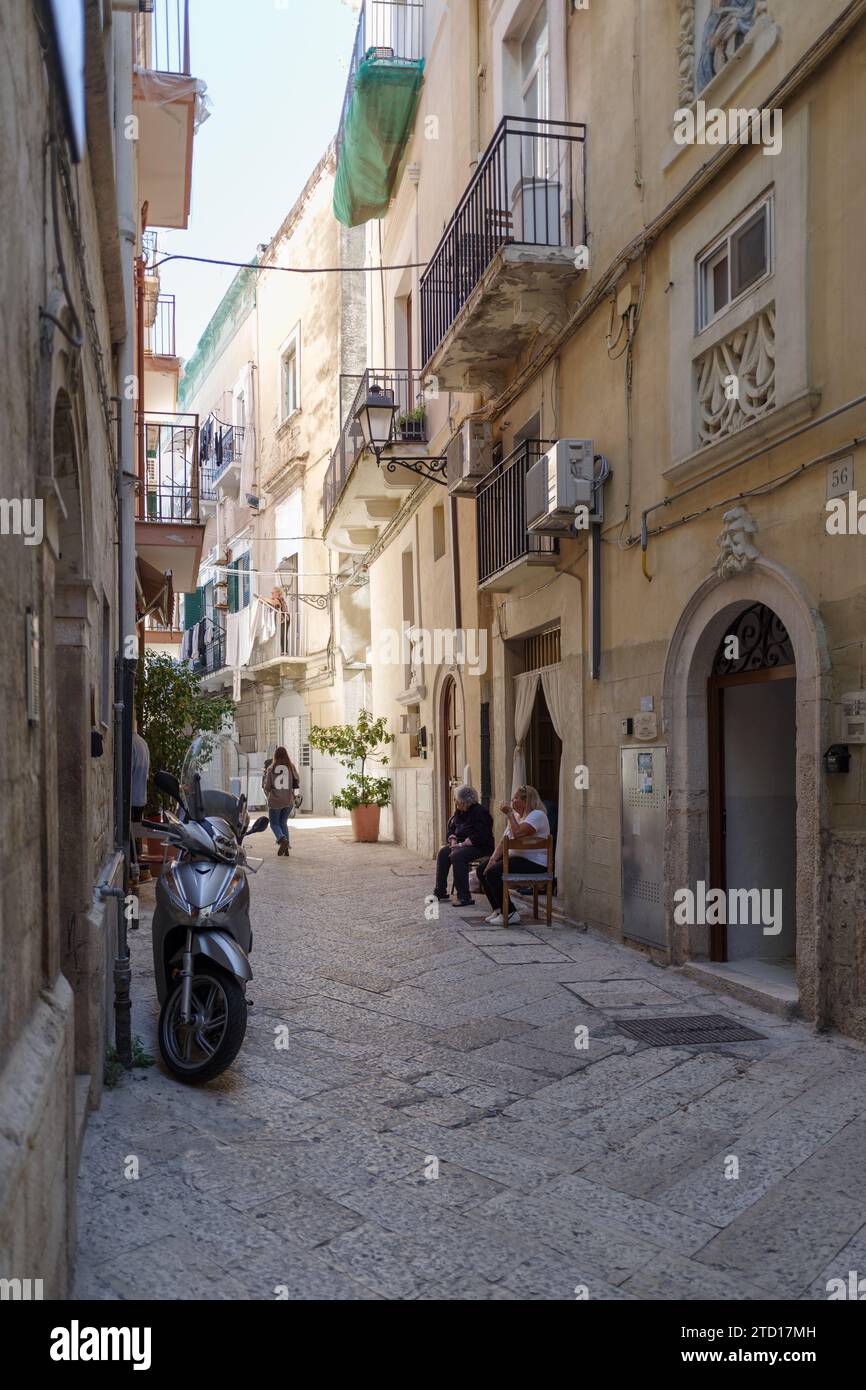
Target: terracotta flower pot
(365, 824)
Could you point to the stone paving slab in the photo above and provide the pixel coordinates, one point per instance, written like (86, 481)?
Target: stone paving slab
(432, 1131)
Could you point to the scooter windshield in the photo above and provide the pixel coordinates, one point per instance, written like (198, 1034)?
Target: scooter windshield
(219, 764)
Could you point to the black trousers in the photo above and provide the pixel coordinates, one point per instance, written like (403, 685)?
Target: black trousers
(490, 876)
(458, 861)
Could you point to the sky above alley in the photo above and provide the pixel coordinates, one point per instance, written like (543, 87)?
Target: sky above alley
(275, 72)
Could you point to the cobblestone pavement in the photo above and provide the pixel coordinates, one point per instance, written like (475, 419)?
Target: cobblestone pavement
(309, 1170)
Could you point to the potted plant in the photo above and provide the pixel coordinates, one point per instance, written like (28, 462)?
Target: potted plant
(411, 424)
(353, 745)
(171, 710)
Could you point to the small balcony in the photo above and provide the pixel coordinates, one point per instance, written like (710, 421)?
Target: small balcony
(385, 75)
(221, 452)
(166, 102)
(210, 656)
(506, 550)
(159, 325)
(500, 276)
(288, 643)
(359, 497)
(168, 529)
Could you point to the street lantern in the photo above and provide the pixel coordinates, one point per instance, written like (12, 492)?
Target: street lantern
(376, 418)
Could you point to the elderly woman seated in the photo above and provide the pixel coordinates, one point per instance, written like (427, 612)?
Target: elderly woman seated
(470, 836)
(527, 820)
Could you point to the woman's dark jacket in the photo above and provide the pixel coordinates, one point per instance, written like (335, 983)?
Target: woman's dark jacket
(475, 824)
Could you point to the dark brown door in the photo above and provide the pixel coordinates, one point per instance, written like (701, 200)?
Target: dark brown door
(452, 773)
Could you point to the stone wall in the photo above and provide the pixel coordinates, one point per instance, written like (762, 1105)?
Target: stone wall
(56, 834)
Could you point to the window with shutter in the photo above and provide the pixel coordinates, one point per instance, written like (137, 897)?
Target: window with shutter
(233, 586)
(193, 608)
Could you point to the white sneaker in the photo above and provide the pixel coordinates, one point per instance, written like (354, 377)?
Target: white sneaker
(495, 920)
(514, 920)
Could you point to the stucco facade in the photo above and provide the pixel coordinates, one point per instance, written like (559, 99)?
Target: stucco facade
(304, 673)
(633, 350)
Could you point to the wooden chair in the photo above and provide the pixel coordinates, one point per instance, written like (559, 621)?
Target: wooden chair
(542, 880)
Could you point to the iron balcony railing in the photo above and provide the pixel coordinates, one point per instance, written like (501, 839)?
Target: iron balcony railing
(288, 640)
(410, 423)
(149, 248)
(212, 657)
(501, 522)
(162, 37)
(225, 446)
(168, 468)
(159, 336)
(396, 28)
(522, 194)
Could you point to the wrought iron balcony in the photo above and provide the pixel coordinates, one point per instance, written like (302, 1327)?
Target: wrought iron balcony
(168, 469)
(288, 643)
(159, 326)
(524, 194)
(161, 41)
(503, 540)
(226, 449)
(396, 29)
(410, 423)
(212, 657)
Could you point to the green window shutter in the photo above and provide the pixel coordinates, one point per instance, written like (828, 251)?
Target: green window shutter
(233, 587)
(193, 608)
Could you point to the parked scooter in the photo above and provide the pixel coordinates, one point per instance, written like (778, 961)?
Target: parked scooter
(201, 928)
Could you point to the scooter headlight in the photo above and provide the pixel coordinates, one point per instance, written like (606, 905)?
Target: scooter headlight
(225, 847)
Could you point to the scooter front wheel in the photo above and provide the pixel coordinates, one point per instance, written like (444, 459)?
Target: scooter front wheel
(198, 1051)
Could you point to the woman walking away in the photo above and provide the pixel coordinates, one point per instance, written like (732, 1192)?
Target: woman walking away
(470, 836)
(279, 783)
(527, 819)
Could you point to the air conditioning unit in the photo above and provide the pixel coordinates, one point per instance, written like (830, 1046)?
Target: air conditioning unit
(470, 456)
(558, 483)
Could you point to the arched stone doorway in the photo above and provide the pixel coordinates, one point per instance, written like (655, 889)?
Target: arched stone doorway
(710, 615)
(751, 716)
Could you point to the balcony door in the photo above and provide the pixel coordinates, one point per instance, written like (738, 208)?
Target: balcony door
(451, 766)
(535, 191)
(535, 67)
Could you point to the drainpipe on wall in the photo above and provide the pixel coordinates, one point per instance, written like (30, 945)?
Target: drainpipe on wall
(126, 664)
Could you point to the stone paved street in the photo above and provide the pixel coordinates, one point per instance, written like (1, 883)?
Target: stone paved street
(308, 1169)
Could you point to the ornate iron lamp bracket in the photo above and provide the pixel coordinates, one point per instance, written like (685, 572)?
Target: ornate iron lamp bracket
(434, 469)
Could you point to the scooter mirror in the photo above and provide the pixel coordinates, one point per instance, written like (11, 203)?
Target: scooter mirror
(167, 783)
(258, 826)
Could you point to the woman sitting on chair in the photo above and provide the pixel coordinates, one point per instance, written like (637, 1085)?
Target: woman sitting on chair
(470, 837)
(527, 819)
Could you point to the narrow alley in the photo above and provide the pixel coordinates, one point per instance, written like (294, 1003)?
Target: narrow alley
(308, 1170)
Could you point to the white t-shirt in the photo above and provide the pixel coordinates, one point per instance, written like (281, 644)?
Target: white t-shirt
(541, 827)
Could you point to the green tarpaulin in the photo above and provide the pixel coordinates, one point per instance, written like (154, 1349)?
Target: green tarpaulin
(377, 125)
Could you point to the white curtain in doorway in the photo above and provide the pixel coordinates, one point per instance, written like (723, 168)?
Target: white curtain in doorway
(525, 690)
(553, 685)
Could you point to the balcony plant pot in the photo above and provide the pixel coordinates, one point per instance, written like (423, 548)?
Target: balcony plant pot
(365, 824)
(412, 426)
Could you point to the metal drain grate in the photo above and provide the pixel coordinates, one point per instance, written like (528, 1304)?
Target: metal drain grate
(693, 1028)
